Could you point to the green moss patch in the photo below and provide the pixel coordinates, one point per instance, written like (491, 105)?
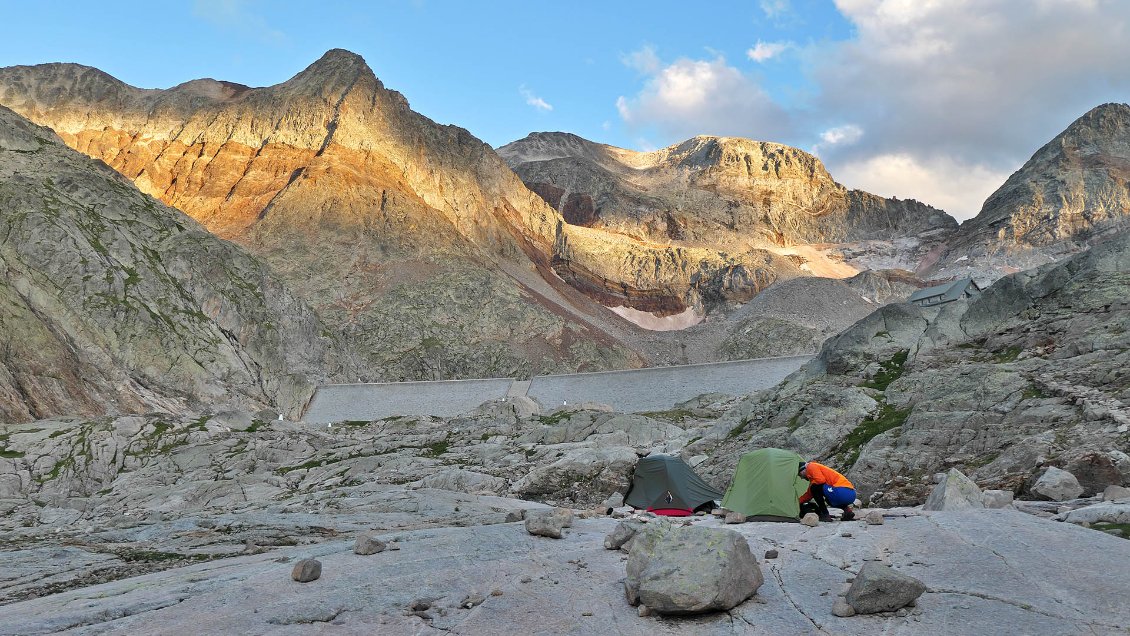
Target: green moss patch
(889, 371)
(887, 418)
(1116, 529)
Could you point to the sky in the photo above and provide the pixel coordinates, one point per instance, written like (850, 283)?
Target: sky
(934, 100)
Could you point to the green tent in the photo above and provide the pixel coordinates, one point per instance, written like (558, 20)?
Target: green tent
(665, 484)
(766, 486)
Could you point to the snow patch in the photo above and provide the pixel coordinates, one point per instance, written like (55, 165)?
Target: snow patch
(648, 320)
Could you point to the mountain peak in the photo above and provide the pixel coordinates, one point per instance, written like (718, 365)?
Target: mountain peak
(337, 68)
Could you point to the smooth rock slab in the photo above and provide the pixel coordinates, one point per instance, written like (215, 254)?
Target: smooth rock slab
(878, 588)
(306, 570)
(689, 570)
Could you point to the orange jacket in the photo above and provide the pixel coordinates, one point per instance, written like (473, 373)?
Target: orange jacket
(819, 474)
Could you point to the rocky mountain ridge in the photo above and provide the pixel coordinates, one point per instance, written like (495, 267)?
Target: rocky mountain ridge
(298, 171)
(710, 190)
(1073, 192)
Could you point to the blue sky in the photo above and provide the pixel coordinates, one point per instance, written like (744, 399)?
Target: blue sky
(937, 100)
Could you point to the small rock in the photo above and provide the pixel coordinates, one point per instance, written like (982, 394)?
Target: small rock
(306, 570)
(845, 534)
(586, 613)
(901, 613)
(771, 554)
(997, 498)
(719, 512)
(615, 501)
(548, 523)
(644, 610)
(842, 609)
(735, 517)
(621, 534)
(496, 592)
(878, 588)
(368, 544)
(873, 517)
(810, 520)
(474, 599)
(526, 579)
(954, 492)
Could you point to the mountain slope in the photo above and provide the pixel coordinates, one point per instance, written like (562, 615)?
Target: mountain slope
(113, 303)
(714, 190)
(1032, 373)
(1072, 192)
(413, 238)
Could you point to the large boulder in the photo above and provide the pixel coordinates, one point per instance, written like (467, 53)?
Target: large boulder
(689, 570)
(1057, 484)
(955, 491)
(878, 588)
(586, 475)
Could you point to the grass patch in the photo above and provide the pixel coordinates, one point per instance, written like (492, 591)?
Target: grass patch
(1032, 392)
(10, 454)
(737, 430)
(888, 417)
(889, 371)
(256, 425)
(355, 423)
(436, 449)
(62, 431)
(1007, 355)
(1116, 529)
(313, 463)
(156, 556)
(673, 415)
(554, 419)
(794, 422)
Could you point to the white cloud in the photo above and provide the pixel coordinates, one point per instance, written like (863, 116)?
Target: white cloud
(235, 15)
(534, 100)
(693, 97)
(839, 136)
(938, 100)
(956, 187)
(774, 8)
(764, 51)
(644, 61)
(848, 134)
(956, 94)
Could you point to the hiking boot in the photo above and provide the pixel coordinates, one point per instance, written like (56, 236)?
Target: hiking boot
(826, 518)
(848, 515)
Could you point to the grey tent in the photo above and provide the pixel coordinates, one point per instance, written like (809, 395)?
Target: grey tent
(666, 485)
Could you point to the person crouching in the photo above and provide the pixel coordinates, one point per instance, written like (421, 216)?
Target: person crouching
(828, 488)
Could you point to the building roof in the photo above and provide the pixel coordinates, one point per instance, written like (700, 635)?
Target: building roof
(948, 291)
